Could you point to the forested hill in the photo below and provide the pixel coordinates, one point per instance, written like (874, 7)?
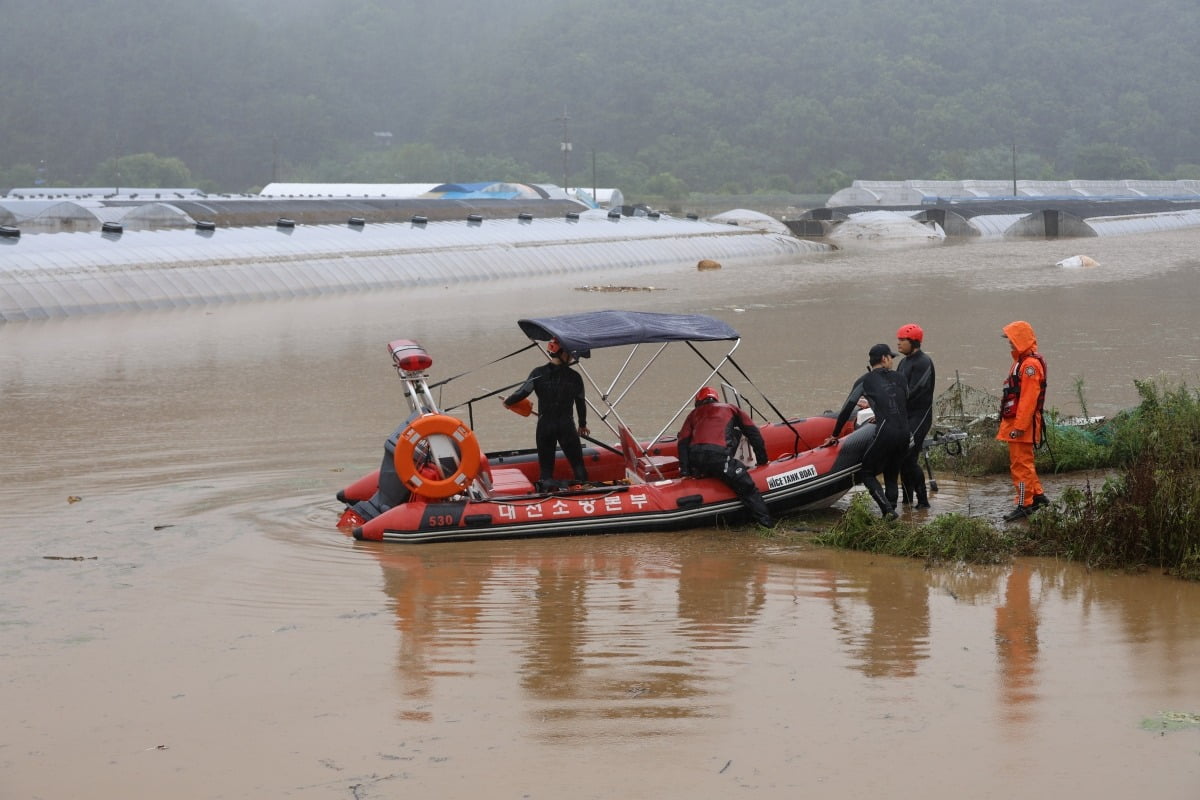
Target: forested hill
(702, 95)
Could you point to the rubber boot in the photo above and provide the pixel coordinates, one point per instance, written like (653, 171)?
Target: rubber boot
(922, 496)
(888, 510)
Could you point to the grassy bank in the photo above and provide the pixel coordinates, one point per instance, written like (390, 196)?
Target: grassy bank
(1146, 516)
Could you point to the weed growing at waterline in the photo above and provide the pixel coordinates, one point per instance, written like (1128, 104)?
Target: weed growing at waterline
(949, 537)
(1148, 514)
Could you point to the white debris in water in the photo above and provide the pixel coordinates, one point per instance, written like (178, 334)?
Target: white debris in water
(1076, 262)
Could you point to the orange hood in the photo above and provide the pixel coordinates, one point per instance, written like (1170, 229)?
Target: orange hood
(1022, 337)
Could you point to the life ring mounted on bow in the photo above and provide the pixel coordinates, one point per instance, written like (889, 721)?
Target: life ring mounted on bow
(421, 429)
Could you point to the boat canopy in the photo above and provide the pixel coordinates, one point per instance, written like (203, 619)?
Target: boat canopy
(579, 333)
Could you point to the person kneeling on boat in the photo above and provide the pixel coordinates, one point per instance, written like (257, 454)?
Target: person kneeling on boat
(557, 387)
(708, 441)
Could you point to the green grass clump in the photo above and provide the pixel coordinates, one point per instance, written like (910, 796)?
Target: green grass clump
(1148, 514)
(949, 537)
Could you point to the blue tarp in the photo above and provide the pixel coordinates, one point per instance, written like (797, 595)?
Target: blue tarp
(480, 195)
(487, 190)
(462, 187)
(579, 333)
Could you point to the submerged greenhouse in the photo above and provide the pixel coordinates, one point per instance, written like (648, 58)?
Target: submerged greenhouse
(1010, 209)
(113, 268)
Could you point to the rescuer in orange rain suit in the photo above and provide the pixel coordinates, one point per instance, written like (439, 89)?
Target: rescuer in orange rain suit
(1022, 426)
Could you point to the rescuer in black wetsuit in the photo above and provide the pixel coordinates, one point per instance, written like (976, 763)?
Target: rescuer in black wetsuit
(917, 369)
(707, 441)
(885, 391)
(557, 387)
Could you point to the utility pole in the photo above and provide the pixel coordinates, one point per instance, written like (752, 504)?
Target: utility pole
(1014, 160)
(566, 144)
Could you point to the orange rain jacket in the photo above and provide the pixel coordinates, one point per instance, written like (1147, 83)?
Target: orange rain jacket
(1029, 380)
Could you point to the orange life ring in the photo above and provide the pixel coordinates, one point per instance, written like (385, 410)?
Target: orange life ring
(435, 425)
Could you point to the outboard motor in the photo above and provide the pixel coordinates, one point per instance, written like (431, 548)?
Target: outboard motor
(391, 491)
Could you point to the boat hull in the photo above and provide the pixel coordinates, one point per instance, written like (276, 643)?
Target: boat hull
(812, 479)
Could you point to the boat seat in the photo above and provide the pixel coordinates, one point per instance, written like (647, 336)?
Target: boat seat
(645, 466)
(510, 481)
(656, 468)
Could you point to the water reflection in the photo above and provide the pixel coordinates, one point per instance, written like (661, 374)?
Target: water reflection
(1017, 647)
(635, 629)
(718, 596)
(437, 606)
(638, 627)
(882, 616)
(615, 637)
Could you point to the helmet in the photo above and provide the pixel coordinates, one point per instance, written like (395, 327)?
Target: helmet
(910, 331)
(553, 347)
(707, 395)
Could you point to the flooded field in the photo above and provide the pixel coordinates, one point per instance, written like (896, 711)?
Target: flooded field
(179, 618)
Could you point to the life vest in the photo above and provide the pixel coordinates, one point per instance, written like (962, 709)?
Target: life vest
(1011, 396)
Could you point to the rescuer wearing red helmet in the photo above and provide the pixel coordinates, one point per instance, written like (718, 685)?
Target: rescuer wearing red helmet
(1021, 424)
(917, 369)
(557, 387)
(708, 440)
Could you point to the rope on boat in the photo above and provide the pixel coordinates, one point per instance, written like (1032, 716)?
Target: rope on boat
(481, 366)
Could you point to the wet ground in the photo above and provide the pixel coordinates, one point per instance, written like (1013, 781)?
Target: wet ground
(178, 617)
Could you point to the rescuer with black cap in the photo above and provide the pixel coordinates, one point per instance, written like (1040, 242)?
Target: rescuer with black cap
(885, 391)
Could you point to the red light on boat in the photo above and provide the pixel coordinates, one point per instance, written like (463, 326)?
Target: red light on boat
(415, 363)
(409, 356)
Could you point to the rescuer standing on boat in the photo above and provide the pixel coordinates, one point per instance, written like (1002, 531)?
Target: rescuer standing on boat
(1022, 426)
(708, 441)
(557, 387)
(885, 391)
(917, 369)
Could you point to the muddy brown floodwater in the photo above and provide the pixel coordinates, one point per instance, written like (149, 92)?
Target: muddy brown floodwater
(179, 618)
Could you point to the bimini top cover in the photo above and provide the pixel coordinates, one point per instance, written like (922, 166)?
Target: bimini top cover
(579, 333)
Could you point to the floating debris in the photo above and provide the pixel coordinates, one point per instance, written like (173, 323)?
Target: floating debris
(708, 263)
(616, 289)
(73, 499)
(1171, 721)
(70, 558)
(1076, 262)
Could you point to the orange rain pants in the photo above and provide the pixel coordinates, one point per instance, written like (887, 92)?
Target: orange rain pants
(1024, 474)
